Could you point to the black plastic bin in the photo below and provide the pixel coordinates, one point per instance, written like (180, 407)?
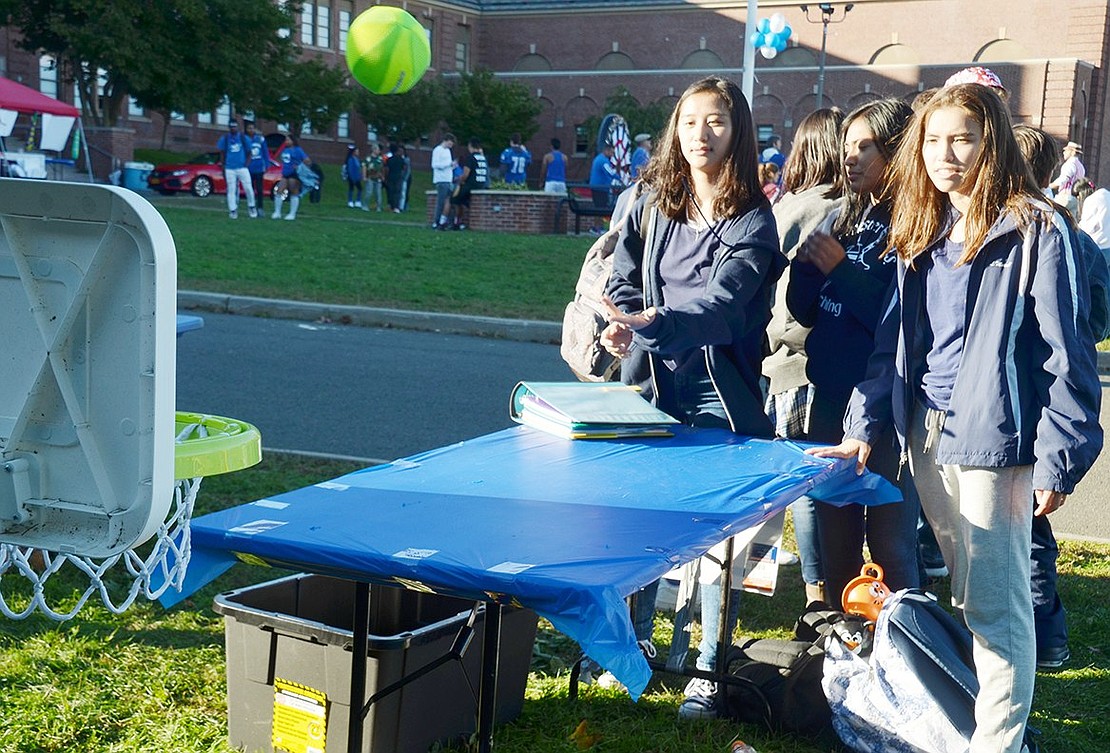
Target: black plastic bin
(298, 629)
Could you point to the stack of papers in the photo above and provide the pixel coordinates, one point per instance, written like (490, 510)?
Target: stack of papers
(587, 410)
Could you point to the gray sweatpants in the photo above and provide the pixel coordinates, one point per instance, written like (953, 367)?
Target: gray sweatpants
(982, 519)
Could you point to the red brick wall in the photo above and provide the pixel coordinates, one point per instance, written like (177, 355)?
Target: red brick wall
(510, 211)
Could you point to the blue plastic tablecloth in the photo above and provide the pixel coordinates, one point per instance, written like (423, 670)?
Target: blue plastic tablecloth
(567, 528)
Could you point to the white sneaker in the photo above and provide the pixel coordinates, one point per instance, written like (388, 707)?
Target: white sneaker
(252, 212)
(290, 216)
(701, 700)
(609, 681)
(233, 214)
(358, 205)
(350, 204)
(275, 216)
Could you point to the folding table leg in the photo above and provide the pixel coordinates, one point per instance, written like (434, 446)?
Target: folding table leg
(724, 636)
(487, 693)
(360, 644)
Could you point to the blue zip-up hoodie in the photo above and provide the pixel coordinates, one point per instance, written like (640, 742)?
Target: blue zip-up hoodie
(729, 320)
(1027, 390)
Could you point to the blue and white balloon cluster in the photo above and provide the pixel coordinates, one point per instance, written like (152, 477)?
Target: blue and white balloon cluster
(770, 35)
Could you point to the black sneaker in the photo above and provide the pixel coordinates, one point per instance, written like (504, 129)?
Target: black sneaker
(1053, 657)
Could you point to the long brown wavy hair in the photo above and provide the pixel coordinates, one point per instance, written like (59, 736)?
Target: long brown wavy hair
(738, 185)
(815, 154)
(1003, 180)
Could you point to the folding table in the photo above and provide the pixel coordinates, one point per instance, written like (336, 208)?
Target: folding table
(567, 528)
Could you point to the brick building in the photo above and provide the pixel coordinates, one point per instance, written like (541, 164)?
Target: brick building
(573, 53)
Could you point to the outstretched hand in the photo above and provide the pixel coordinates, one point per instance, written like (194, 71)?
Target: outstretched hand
(849, 448)
(633, 321)
(617, 337)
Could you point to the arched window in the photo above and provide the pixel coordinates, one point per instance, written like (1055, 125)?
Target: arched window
(703, 60)
(794, 57)
(615, 61)
(895, 54)
(532, 62)
(1001, 50)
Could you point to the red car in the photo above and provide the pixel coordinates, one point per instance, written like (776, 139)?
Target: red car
(202, 175)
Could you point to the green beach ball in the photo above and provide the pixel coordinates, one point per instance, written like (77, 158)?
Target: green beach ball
(387, 50)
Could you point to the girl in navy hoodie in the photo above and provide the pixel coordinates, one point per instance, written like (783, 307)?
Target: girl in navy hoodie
(838, 282)
(985, 367)
(690, 297)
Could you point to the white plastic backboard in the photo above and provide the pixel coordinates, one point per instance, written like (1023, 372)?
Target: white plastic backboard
(88, 286)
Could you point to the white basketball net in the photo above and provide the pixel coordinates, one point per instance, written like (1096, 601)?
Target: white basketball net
(168, 557)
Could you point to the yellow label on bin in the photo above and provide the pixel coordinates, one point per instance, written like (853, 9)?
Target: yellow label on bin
(300, 718)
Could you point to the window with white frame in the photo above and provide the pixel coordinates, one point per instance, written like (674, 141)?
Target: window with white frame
(371, 134)
(48, 76)
(177, 117)
(134, 109)
(316, 23)
(343, 126)
(101, 82)
(462, 50)
(345, 13)
(223, 112)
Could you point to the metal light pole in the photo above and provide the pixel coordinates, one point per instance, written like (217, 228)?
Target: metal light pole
(827, 11)
(747, 83)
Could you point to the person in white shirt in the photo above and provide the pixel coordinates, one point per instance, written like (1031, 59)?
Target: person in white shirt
(443, 164)
(1070, 173)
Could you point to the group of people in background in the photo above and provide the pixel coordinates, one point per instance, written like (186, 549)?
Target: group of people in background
(455, 181)
(367, 177)
(931, 314)
(245, 157)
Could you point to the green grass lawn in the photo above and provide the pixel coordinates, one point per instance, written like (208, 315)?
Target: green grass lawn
(152, 680)
(345, 256)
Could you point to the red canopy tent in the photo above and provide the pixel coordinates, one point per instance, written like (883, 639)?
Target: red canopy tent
(23, 99)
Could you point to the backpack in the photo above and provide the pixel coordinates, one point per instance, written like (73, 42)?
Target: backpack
(343, 171)
(776, 683)
(916, 690)
(584, 318)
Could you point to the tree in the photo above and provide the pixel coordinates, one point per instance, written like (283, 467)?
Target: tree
(183, 55)
(650, 118)
(404, 117)
(309, 91)
(480, 105)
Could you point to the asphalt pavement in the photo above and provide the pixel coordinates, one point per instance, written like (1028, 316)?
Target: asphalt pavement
(459, 384)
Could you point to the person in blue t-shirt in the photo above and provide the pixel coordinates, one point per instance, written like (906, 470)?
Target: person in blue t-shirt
(515, 161)
(291, 185)
(258, 163)
(603, 176)
(234, 155)
(553, 177)
(354, 177)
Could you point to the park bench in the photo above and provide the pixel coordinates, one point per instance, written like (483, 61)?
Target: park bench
(579, 200)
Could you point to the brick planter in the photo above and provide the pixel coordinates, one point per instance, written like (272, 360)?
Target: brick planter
(510, 211)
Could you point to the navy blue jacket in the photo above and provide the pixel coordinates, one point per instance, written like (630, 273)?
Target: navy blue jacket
(843, 309)
(1027, 390)
(729, 321)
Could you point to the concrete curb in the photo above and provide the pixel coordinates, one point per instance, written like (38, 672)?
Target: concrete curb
(524, 330)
